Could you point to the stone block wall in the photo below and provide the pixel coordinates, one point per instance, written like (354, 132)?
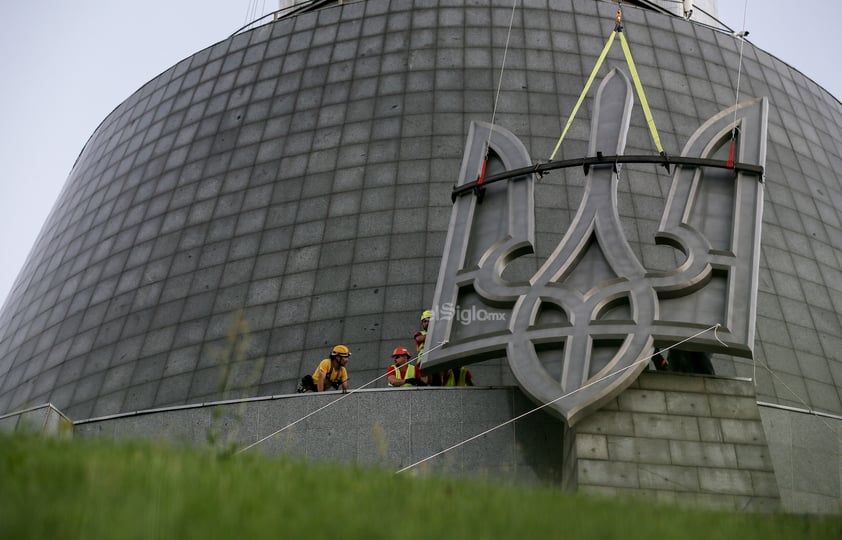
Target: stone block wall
(686, 439)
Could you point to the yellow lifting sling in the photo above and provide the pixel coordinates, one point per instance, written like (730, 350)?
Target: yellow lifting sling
(618, 29)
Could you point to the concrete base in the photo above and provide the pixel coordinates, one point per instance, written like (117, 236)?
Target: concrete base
(389, 428)
(680, 438)
(688, 439)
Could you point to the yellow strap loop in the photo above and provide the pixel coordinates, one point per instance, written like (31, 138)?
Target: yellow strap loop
(639, 87)
(650, 121)
(587, 87)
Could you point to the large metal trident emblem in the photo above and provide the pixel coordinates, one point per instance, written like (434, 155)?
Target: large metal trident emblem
(581, 329)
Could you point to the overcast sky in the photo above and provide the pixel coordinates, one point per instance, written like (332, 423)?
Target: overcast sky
(66, 65)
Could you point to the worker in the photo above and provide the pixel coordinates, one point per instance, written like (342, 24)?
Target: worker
(402, 373)
(331, 373)
(421, 335)
(453, 377)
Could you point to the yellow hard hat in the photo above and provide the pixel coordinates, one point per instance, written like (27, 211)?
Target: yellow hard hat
(427, 315)
(341, 349)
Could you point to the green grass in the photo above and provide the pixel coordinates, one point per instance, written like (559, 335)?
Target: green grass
(52, 488)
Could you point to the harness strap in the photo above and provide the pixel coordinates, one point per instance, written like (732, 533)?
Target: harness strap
(650, 121)
(587, 87)
(640, 93)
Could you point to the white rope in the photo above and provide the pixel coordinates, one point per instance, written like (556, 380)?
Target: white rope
(507, 422)
(799, 398)
(331, 403)
(500, 81)
(249, 10)
(742, 36)
(794, 393)
(252, 10)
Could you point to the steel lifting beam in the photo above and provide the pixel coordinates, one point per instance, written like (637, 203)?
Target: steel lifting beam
(588, 162)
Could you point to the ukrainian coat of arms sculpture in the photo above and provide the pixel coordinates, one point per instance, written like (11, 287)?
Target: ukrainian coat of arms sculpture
(585, 325)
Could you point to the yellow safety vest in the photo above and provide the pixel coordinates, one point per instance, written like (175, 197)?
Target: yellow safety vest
(410, 373)
(451, 378)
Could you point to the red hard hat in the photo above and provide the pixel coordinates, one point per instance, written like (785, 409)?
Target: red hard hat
(400, 351)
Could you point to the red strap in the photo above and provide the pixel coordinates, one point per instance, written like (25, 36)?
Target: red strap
(730, 162)
(481, 178)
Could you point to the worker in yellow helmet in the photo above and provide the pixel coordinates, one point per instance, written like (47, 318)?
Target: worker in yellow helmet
(331, 372)
(421, 335)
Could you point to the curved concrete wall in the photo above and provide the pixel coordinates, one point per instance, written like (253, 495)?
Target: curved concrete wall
(301, 172)
(453, 431)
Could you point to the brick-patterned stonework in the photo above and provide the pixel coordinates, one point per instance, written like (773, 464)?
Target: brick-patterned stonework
(685, 439)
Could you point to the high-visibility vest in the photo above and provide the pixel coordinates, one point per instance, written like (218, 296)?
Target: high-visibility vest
(419, 349)
(451, 378)
(410, 373)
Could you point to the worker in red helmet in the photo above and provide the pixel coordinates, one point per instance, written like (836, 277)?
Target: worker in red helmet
(402, 373)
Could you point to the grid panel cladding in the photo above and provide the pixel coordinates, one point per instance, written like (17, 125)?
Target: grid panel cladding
(297, 177)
